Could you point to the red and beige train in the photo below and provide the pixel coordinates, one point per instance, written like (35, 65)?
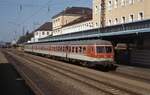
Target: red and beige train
(88, 52)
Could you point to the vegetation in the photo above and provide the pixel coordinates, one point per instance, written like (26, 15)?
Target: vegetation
(25, 38)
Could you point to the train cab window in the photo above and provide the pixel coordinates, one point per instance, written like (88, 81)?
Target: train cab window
(108, 49)
(100, 49)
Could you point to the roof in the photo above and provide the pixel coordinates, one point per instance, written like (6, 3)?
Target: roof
(74, 10)
(83, 18)
(81, 42)
(45, 27)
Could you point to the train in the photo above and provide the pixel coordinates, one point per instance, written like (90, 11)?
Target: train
(87, 52)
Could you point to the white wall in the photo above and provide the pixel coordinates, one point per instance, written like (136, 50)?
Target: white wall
(40, 34)
(87, 25)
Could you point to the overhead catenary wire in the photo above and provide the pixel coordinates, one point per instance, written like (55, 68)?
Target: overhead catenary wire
(36, 12)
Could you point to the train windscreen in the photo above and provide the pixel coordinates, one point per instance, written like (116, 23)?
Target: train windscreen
(104, 49)
(100, 49)
(108, 49)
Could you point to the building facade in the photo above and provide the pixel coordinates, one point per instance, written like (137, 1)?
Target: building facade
(97, 13)
(67, 16)
(86, 25)
(119, 11)
(43, 31)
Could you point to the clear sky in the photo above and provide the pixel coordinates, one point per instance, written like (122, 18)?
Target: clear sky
(19, 15)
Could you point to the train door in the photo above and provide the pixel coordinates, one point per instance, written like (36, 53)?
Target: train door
(91, 51)
(67, 48)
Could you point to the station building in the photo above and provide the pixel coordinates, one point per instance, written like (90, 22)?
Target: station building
(112, 12)
(67, 16)
(125, 22)
(41, 32)
(121, 12)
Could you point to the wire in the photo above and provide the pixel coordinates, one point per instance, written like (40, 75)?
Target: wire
(21, 6)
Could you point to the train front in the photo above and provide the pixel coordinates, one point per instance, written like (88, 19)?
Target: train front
(104, 55)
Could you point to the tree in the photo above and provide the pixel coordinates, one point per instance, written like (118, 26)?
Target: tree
(25, 38)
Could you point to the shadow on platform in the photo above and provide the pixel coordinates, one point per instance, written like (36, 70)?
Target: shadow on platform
(11, 82)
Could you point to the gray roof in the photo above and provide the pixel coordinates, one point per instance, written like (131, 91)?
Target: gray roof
(45, 27)
(74, 10)
(81, 42)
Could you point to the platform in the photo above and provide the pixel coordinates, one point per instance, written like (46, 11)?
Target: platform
(11, 83)
(2, 58)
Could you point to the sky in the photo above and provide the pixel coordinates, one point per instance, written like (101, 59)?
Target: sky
(17, 16)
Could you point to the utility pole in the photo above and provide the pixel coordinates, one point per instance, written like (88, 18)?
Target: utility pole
(103, 13)
(23, 31)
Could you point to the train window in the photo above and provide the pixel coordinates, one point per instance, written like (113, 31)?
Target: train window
(63, 48)
(100, 49)
(84, 49)
(108, 49)
(80, 49)
(53, 48)
(73, 49)
(59, 48)
(69, 49)
(56, 48)
(49, 48)
(92, 49)
(76, 49)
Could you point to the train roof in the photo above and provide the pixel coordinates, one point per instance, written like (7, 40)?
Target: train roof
(81, 42)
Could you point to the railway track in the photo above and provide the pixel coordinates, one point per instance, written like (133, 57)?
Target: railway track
(128, 72)
(105, 83)
(125, 71)
(64, 70)
(133, 73)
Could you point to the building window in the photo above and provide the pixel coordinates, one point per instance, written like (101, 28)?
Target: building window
(140, 0)
(96, 9)
(141, 16)
(123, 2)
(43, 33)
(131, 18)
(109, 22)
(123, 19)
(116, 21)
(96, 24)
(131, 1)
(110, 5)
(116, 4)
(47, 33)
